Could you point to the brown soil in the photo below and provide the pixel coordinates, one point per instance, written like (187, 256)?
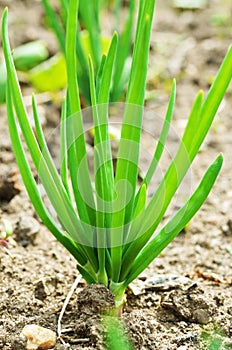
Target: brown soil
(183, 300)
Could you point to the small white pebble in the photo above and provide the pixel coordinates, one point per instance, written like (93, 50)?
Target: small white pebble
(38, 337)
(183, 324)
(174, 329)
(182, 347)
(60, 276)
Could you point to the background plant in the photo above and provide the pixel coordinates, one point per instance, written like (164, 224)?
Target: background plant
(91, 41)
(25, 56)
(110, 233)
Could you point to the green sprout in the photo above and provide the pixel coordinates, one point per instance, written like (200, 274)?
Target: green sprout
(108, 225)
(90, 40)
(215, 339)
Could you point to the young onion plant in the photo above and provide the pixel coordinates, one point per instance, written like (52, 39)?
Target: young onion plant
(108, 225)
(89, 16)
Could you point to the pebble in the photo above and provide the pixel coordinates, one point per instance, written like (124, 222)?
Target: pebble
(38, 338)
(26, 230)
(174, 329)
(227, 228)
(40, 291)
(201, 316)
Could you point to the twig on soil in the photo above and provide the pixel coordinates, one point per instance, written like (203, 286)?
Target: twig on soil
(212, 277)
(65, 304)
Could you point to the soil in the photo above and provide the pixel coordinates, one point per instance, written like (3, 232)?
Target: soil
(183, 300)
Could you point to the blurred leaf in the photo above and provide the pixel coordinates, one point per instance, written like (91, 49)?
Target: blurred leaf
(50, 75)
(221, 19)
(229, 249)
(85, 41)
(29, 55)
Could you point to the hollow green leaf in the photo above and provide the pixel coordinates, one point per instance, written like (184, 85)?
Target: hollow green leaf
(55, 24)
(124, 46)
(174, 226)
(32, 188)
(163, 136)
(128, 153)
(75, 132)
(53, 187)
(183, 159)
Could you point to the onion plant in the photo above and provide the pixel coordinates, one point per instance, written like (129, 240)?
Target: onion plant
(93, 40)
(108, 225)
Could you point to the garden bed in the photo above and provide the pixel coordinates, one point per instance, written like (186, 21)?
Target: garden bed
(183, 300)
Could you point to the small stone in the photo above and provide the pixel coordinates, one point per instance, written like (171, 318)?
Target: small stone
(40, 291)
(38, 338)
(225, 229)
(174, 329)
(183, 324)
(26, 230)
(201, 316)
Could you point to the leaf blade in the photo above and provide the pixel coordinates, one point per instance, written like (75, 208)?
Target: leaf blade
(176, 223)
